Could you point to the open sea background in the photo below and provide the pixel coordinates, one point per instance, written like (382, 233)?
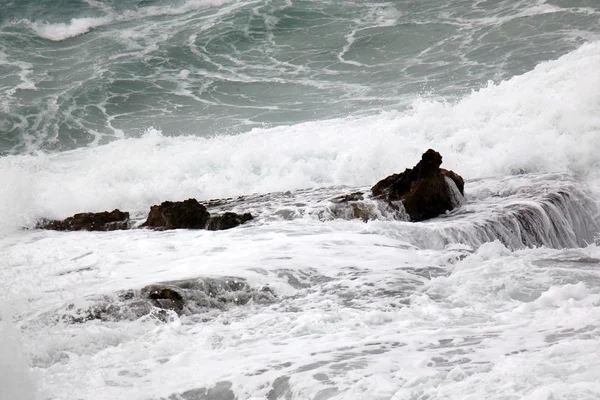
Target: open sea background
(124, 104)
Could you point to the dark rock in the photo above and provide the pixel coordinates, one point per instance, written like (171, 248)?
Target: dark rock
(227, 220)
(188, 214)
(423, 189)
(102, 221)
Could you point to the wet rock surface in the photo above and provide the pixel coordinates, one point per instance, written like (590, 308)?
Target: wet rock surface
(183, 297)
(423, 190)
(227, 220)
(101, 221)
(188, 214)
(420, 193)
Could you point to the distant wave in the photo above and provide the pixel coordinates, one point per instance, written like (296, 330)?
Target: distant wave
(61, 31)
(79, 26)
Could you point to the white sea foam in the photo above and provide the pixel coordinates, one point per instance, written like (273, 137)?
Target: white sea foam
(15, 377)
(361, 312)
(456, 335)
(62, 31)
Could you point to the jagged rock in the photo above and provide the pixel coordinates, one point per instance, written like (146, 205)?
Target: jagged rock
(102, 221)
(423, 189)
(188, 214)
(227, 220)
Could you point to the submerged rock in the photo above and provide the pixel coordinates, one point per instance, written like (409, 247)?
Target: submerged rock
(351, 206)
(164, 297)
(102, 221)
(198, 296)
(423, 190)
(227, 220)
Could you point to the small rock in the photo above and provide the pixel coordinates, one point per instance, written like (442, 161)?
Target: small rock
(102, 221)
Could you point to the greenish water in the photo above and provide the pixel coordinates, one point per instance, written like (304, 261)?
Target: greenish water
(79, 73)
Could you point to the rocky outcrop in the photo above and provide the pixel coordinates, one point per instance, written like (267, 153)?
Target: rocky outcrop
(423, 190)
(188, 214)
(102, 221)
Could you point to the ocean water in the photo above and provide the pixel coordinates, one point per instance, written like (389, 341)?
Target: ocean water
(124, 104)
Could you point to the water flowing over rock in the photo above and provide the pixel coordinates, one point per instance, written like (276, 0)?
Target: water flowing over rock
(423, 190)
(196, 296)
(101, 221)
(550, 210)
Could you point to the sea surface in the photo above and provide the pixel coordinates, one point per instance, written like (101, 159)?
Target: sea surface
(110, 104)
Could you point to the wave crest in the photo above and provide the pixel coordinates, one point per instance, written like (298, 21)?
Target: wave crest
(79, 26)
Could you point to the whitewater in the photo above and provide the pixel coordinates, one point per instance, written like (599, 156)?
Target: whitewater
(498, 299)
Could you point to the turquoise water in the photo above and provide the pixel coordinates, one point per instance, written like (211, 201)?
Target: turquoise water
(80, 73)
